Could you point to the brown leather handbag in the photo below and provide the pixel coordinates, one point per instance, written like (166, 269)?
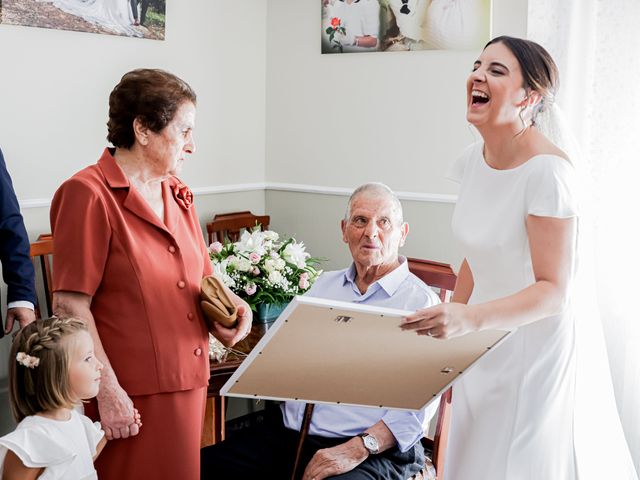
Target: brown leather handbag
(216, 303)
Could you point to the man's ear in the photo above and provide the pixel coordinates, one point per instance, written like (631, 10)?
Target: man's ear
(141, 131)
(343, 227)
(404, 231)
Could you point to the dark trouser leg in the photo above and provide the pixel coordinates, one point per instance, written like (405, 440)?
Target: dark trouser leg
(134, 8)
(266, 451)
(143, 11)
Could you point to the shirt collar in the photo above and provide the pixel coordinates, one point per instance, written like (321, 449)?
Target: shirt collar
(389, 283)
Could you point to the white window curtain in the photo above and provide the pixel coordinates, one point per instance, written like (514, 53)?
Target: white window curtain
(597, 46)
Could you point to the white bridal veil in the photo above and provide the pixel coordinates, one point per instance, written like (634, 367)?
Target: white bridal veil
(601, 447)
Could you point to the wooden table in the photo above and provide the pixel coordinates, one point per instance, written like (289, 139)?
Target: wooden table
(214, 417)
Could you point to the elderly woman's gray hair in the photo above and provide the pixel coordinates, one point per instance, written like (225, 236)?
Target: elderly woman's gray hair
(376, 189)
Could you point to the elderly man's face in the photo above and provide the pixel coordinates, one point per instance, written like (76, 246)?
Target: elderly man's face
(373, 231)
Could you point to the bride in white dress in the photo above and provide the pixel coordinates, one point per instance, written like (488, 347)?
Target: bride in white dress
(519, 413)
(114, 15)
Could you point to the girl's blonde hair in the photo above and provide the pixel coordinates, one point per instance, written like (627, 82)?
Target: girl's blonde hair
(39, 366)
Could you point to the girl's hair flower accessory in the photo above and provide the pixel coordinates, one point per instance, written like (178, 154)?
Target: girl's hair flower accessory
(27, 360)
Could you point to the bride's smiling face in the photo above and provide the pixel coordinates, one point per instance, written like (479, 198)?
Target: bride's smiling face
(495, 89)
(167, 149)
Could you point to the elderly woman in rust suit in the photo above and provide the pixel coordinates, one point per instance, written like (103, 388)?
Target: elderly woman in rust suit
(129, 257)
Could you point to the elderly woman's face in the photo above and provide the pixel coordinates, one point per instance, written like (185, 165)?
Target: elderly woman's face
(167, 149)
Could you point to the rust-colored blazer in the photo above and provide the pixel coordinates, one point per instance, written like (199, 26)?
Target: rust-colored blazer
(143, 276)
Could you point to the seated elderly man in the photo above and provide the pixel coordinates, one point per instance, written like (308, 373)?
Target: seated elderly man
(344, 442)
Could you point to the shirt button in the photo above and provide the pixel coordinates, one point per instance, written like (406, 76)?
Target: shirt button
(172, 249)
(181, 284)
(197, 352)
(190, 316)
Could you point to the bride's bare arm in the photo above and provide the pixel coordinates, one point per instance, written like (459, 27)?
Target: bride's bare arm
(552, 242)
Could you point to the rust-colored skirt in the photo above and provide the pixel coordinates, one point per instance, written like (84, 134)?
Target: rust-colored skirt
(168, 445)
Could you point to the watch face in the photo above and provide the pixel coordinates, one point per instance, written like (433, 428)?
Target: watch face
(370, 443)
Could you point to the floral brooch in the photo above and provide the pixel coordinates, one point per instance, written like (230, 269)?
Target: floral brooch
(183, 195)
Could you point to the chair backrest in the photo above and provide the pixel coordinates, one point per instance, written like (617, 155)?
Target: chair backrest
(435, 274)
(231, 225)
(42, 257)
(441, 276)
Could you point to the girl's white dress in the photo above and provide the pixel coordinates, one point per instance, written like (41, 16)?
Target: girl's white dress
(64, 448)
(519, 413)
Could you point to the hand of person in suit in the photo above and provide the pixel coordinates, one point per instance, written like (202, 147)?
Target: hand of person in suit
(24, 316)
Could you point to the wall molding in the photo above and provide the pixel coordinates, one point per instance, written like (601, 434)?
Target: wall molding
(237, 188)
(278, 187)
(345, 192)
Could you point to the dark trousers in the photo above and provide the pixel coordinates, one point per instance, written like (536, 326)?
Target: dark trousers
(134, 8)
(268, 451)
(143, 9)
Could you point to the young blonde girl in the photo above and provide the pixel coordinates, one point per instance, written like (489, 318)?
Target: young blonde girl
(52, 369)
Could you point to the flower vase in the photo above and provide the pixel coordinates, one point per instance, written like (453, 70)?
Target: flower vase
(268, 312)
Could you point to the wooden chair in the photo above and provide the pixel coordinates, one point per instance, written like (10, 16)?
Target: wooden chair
(442, 277)
(230, 225)
(435, 274)
(42, 257)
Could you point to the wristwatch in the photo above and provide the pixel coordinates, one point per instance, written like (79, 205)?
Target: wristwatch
(370, 443)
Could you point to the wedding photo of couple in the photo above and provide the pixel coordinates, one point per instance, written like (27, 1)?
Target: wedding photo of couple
(131, 18)
(353, 26)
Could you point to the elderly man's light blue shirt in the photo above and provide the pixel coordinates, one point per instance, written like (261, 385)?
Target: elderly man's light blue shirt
(398, 289)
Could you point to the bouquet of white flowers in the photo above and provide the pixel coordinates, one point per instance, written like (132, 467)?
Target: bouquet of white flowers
(261, 268)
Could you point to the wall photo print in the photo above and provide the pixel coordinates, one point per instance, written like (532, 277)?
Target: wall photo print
(354, 26)
(130, 18)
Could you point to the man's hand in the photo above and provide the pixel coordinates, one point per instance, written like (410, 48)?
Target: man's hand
(24, 316)
(342, 458)
(118, 417)
(230, 336)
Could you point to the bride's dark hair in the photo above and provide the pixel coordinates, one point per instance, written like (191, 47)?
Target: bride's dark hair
(152, 96)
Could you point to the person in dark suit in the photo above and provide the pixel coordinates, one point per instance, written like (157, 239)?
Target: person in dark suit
(17, 269)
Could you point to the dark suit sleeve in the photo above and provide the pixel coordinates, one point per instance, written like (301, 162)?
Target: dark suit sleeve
(17, 269)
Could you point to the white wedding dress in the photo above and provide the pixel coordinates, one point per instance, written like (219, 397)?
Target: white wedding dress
(531, 410)
(114, 15)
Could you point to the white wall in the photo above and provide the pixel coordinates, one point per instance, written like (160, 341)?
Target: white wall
(55, 85)
(342, 120)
